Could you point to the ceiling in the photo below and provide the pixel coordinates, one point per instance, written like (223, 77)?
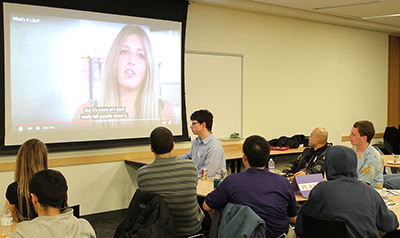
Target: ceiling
(378, 14)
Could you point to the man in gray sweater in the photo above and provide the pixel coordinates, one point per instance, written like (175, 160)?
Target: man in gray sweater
(48, 190)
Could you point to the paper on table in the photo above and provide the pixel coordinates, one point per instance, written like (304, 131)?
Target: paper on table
(395, 192)
(392, 162)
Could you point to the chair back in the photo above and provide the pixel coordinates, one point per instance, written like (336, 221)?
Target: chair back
(319, 227)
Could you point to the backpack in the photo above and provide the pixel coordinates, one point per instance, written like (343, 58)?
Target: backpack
(147, 216)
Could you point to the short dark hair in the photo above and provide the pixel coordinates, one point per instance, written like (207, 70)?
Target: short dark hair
(365, 128)
(257, 150)
(203, 115)
(161, 140)
(50, 187)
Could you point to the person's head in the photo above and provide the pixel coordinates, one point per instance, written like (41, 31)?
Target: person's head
(130, 67)
(340, 161)
(31, 158)
(362, 132)
(256, 150)
(50, 188)
(318, 138)
(161, 140)
(201, 119)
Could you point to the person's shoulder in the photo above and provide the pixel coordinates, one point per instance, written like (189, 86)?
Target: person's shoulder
(307, 151)
(143, 168)
(167, 109)
(279, 177)
(185, 161)
(85, 224)
(374, 150)
(214, 142)
(372, 153)
(235, 177)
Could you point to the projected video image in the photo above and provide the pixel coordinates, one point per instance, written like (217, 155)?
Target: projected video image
(78, 74)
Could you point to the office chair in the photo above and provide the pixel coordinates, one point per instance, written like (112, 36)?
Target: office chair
(319, 227)
(391, 139)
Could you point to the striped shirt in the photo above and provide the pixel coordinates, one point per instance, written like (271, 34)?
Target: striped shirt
(176, 181)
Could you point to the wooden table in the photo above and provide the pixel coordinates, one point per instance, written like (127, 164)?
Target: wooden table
(389, 161)
(234, 156)
(396, 209)
(205, 187)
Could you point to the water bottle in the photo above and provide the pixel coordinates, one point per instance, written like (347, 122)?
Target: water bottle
(271, 165)
(385, 195)
(6, 222)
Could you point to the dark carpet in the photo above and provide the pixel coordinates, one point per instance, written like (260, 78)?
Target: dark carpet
(106, 228)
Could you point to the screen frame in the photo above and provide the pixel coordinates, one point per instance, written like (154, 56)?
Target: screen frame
(171, 10)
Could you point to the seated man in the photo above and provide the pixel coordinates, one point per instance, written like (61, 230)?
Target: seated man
(312, 160)
(370, 161)
(344, 197)
(269, 195)
(175, 180)
(206, 150)
(48, 190)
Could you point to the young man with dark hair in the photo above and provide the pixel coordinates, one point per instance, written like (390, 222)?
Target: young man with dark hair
(206, 150)
(268, 194)
(48, 190)
(370, 161)
(175, 180)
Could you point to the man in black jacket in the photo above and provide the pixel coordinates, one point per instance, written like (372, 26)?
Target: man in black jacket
(312, 160)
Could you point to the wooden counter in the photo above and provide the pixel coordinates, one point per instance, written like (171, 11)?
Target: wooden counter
(232, 152)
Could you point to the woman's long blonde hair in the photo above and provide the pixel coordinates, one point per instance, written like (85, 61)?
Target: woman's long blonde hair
(149, 90)
(31, 158)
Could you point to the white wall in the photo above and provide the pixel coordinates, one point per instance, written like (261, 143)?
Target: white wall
(296, 75)
(96, 187)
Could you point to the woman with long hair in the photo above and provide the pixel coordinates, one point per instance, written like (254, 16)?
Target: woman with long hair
(31, 158)
(129, 80)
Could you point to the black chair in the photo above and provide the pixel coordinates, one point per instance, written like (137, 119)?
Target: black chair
(391, 140)
(327, 228)
(392, 234)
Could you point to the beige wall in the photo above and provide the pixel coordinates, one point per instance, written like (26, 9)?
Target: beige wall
(296, 75)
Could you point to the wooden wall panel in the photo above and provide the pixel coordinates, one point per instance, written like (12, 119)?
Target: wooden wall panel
(393, 117)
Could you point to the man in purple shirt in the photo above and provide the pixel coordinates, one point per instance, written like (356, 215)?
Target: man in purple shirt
(269, 195)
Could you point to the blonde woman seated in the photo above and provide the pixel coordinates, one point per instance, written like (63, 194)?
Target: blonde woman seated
(31, 158)
(129, 84)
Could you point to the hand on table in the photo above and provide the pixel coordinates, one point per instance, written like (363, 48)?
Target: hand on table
(300, 173)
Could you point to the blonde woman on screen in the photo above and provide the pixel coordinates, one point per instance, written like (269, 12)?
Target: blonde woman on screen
(31, 158)
(130, 80)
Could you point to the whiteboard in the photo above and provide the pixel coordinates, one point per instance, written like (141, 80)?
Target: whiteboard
(213, 81)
